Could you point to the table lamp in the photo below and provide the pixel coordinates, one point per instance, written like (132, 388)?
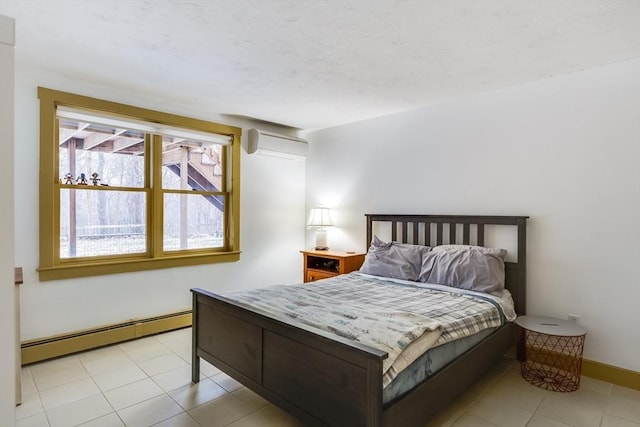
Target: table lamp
(319, 218)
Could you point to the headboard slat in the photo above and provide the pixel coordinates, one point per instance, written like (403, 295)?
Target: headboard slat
(452, 233)
(465, 233)
(439, 233)
(480, 235)
(427, 233)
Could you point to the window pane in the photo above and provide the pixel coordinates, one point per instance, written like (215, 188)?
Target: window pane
(116, 156)
(188, 164)
(193, 221)
(98, 223)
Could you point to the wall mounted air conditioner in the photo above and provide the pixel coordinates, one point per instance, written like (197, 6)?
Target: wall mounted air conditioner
(275, 145)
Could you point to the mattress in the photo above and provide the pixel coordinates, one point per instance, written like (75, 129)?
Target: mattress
(430, 363)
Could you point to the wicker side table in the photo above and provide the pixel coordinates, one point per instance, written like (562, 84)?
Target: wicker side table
(550, 352)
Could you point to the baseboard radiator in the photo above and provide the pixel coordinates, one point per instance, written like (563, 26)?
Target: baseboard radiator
(74, 342)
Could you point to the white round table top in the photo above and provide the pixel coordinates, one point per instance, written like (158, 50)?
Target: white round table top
(551, 326)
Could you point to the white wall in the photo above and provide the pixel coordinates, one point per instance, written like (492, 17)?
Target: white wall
(7, 289)
(271, 228)
(563, 150)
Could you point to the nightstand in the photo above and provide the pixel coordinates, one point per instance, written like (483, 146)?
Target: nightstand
(323, 264)
(550, 352)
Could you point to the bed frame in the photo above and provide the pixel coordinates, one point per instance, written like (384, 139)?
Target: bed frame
(326, 380)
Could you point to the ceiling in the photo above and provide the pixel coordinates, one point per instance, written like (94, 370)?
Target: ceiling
(317, 64)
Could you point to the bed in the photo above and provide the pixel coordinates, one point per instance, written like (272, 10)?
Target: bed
(326, 379)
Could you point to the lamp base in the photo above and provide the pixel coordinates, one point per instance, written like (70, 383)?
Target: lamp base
(321, 240)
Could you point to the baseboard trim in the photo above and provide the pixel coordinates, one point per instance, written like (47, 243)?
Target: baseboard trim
(59, 345)
(611, 374)
(602, 371)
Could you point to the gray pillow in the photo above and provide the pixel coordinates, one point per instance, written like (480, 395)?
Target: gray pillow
(474, 268)
(395, 260)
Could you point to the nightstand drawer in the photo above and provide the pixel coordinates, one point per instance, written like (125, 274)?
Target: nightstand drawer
(317, 275)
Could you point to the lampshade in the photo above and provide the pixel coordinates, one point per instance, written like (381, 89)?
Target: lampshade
(319, 217)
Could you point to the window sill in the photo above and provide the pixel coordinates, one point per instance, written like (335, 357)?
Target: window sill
(125, 266)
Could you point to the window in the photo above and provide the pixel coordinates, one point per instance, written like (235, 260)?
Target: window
(126, 189)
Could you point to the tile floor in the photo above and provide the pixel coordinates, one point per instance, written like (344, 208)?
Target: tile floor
(146, 382)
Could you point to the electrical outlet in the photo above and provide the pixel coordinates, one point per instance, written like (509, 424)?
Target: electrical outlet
(575, 318)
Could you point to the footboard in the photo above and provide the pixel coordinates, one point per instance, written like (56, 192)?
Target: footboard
(320, 378)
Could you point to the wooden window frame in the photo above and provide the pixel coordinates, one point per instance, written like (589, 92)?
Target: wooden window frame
(53, 268)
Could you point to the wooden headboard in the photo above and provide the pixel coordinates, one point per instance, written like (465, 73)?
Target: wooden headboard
(433, 230)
